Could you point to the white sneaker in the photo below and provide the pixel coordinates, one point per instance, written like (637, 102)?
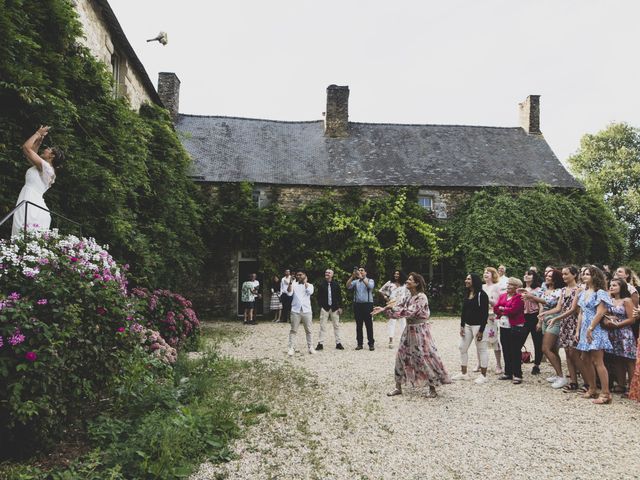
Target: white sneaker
(476, 370)
(461, 376)
(553, 379)
(291, 352)
(561, 382)
(312, 350)
(481, 379)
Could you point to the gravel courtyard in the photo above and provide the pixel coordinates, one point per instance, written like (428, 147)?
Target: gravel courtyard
(349, 429)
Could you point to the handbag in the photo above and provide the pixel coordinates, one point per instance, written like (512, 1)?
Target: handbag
(526, 355)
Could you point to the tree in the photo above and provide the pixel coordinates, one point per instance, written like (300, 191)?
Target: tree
(608, 163)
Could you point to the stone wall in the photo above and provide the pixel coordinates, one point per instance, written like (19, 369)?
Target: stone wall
(99, 40)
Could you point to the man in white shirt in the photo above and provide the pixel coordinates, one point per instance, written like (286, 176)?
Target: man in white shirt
(287, 278)
(300, 292)
(502, 279)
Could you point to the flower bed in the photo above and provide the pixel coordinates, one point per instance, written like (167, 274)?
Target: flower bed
(64, 331)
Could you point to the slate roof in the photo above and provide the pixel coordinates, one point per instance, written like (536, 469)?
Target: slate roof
(227, 149)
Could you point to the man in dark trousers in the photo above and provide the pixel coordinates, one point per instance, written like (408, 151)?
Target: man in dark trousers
(330, 302)
(362, 304)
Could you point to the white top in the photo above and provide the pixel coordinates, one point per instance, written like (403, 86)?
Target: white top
(301, 302)
(284, 283)
(502, 284)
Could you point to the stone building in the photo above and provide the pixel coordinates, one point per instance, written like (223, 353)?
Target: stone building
(106, 40)
(294, 162)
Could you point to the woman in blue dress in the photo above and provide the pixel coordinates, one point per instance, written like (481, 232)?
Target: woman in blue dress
(593, 340)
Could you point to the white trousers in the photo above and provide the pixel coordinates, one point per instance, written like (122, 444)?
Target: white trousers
(470, 333)
(391, 326)
(335, 320)
(306, 318)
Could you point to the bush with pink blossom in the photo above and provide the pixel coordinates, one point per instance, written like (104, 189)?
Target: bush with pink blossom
(170, 314)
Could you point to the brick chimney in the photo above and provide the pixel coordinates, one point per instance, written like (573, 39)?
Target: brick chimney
(336, 120)
(169, 92)
(530, 115)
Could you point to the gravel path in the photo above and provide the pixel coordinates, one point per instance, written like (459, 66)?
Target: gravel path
(349, 429)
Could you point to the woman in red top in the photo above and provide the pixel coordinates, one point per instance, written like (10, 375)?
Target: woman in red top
(510, 310)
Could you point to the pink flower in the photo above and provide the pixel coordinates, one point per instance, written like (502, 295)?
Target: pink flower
(101, 310)
(43, 301)
(31, 356)
(14, 296)
(121, 330)
(17, 338)
(73, 259)
(1, 342)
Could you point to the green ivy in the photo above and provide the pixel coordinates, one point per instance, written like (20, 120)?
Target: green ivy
(126, 177)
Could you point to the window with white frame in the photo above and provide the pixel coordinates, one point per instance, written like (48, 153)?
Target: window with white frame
(425, 201)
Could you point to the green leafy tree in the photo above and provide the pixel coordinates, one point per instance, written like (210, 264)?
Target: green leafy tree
(608, 163)
(534, 227)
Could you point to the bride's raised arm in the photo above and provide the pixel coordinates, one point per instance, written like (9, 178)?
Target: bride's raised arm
(31, 146)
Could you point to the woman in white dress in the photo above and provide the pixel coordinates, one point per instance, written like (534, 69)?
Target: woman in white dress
(38, 180)
(395, 291)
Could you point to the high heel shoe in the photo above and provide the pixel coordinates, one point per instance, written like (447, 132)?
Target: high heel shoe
(603, 399)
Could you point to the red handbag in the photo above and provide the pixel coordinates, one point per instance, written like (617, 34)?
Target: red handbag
(525, 355)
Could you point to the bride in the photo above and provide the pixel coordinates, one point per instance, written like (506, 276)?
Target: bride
(38, 179)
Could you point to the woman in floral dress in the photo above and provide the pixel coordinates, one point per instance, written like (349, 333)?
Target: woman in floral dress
(491, 331)
(568, 321)
(593, 340)
(634, 389)
(417, 360)
(623, 342)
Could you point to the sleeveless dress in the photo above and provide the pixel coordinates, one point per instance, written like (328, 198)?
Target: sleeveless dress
(491, 332)
(623, 343)
(36, 183)
(569, 324)
(589, 307)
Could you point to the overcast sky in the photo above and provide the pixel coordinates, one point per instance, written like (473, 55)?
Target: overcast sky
(458, 62)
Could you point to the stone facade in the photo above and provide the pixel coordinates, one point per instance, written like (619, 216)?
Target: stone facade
(336, 118)
(107, 46)
(529, 112)
(169, 91)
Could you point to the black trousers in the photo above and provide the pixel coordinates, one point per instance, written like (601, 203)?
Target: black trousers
(512, 340)
(362, 314)
(286, 301)
(531, 322)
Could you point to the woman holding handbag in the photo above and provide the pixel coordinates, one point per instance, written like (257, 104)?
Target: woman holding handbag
(531, 309)
(510, 311)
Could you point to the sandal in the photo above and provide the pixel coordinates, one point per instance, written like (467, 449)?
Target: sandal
(603, 399)
(618, 389)
(590, 395)
(583, 389)
(431, 394)
(394, 392)
(571, 387)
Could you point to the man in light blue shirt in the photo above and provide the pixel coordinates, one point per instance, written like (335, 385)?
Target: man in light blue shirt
(362, 305)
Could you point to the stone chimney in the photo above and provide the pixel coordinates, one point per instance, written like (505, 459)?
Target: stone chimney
(169, 92)
(336, 120)
(530, 115)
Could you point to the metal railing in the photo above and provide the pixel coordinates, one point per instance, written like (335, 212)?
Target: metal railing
(26, 204)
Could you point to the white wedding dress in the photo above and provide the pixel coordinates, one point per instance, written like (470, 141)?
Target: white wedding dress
(36, 183)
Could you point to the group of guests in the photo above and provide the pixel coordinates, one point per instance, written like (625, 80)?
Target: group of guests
(591, 313)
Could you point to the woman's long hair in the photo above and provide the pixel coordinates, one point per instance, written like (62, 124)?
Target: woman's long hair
(624, 288)
(476, 284)
(421, 285)
(402, 279)
(598, 281)
(556, 277)
(535, 279)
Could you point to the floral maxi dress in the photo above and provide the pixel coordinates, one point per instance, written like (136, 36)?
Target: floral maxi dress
(417, 360)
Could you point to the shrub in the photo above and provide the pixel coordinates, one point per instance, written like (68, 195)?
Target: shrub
(169, 313)
(64, 331)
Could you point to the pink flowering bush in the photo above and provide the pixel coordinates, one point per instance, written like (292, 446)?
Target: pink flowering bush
(153, 343)
(170, 314)
(65, 320)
